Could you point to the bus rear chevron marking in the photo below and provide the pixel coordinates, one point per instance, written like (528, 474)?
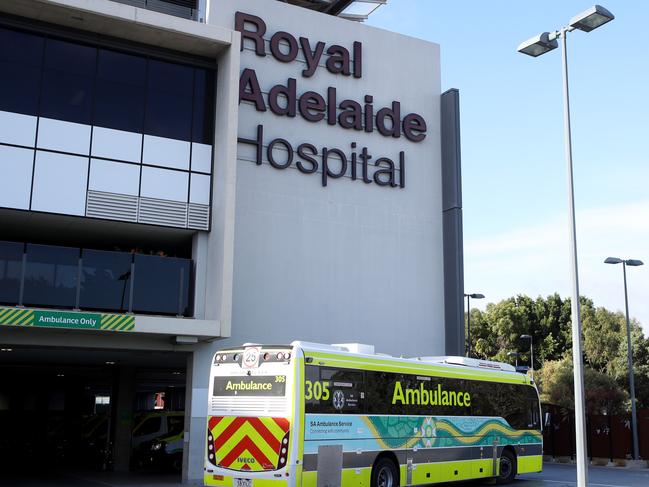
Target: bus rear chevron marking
(248, 443)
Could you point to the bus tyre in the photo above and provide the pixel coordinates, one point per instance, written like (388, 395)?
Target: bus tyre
(507, 466)
(385, 473)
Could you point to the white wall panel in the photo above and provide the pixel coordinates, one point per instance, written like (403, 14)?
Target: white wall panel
(116, 144)
(199, 190)
(63, 136)
(60, 183)
(16, 175)
(160, 151)
(201, 157)
(18, 129)
(164, 184)
(114, 177)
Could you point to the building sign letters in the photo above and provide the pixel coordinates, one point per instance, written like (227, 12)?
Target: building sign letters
(287, 100)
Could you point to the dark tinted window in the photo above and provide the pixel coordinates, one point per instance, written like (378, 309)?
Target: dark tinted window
(169, 100)
(161, 285)
(203, 124)
(51, 276)
(68, 81)
(407, 394)
(21, 56)
(149, 426)
(105, 280)
(332, 390)
(119, 101)
(11, 261)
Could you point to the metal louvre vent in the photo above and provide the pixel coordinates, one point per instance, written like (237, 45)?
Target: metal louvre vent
(162, 212)
(199, 217)
(267, 406)
(111, 206)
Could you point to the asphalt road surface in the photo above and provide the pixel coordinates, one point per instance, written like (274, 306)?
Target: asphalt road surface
(560, 475)
(553, 475)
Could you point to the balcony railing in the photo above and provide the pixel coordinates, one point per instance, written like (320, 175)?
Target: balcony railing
(71, 278)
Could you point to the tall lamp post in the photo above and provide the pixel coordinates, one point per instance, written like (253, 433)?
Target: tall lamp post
(468, 318)
(515, 355)
(531, 353)
(634, 417)
(591, 19)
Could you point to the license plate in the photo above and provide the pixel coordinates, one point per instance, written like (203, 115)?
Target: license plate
(242, 482)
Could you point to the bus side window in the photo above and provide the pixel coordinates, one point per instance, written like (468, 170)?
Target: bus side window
(333, 390)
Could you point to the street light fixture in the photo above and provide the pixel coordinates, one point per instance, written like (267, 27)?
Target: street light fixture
(634, 417)
(531, 353)
(468, 318)
(515, 355)
(586, 21)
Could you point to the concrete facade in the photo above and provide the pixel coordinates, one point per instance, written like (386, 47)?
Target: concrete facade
(366, 258)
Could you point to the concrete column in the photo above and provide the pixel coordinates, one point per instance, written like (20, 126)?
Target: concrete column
(198, 373)
(122, 417)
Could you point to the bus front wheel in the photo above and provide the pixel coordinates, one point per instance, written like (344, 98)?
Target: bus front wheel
(385, 473)
(507, 467)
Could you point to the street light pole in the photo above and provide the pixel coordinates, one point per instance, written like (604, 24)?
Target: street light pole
(531, 353)
(634, 415)
(468, 318)
(545, 42)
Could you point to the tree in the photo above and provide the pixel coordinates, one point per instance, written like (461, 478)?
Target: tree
(603, 394)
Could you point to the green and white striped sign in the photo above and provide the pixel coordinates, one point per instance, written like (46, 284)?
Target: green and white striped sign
(66, 319)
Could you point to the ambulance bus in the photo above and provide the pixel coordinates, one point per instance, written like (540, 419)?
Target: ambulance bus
(317, 415)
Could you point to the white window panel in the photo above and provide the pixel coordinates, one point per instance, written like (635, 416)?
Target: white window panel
(164, 184)
(63, 136)
(116, 144)
(16, 175)
(199, 190)
(60, 183)
(160, 151)
(114, 177)
(18, 129)
(201, 157)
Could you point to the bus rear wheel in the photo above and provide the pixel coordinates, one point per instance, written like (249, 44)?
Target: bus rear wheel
(507, 467)
(385, 473)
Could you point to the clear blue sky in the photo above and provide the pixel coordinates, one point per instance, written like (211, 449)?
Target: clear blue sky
(514, 172)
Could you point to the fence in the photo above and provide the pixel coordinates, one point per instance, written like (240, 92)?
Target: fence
(608, 437)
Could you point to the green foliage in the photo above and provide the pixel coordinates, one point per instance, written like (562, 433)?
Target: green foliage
(603, 394)
(496, 331)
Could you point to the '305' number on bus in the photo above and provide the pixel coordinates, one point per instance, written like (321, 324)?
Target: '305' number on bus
(316, 390)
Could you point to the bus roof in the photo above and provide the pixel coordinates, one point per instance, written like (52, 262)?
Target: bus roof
(461, 367)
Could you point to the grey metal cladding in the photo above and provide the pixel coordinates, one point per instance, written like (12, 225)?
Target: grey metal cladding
(452, 223)
(330, 465)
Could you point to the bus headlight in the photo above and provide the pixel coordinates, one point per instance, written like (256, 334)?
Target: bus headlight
(157, 446)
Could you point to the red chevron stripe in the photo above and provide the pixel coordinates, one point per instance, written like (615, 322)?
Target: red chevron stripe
(265, 433)
(246, 444)
(214, 420)
(282, 423)
(227, 434)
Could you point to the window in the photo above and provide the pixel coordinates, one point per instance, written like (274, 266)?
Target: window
(21, 56)
(332, 390)
(121, 81)
(169, 100)
(105, 280)
(161, 285)
(203, 123)
(68, 81)
(149, 426)
(72, 82)
(51, 276)
(11, 263)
